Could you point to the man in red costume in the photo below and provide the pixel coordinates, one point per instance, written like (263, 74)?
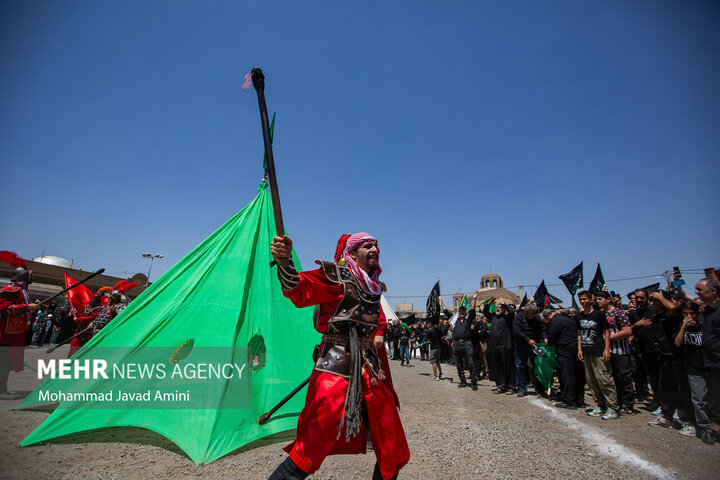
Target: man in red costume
(15, 308)
(350, 394)
(108, 312)
(91, 311)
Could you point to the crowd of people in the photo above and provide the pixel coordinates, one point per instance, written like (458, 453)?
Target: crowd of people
(32, 324)
(56, 322)
(660, 350)
(52, 323)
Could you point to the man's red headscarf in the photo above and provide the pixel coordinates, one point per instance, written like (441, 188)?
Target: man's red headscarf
(348, 243)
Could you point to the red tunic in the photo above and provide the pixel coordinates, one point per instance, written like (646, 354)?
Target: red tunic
(14, 323)
(82, 323)
(319, 422)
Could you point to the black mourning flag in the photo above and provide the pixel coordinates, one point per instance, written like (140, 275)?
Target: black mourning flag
(524, 302)
(598, 281)
(573, 280)
(541, 295)
(432, 307)
(554, 299)
(652, 288)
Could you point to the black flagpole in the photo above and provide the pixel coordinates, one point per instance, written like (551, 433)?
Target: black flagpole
(266, 416)
(73, 286)
(258, 80)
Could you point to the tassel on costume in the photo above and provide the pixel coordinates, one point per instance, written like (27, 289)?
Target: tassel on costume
(353, 398)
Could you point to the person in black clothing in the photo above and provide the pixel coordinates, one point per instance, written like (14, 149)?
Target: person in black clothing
(500, 347)
(433, 335)
(63, 322)
(528, 331)
(709, 292)
(674, 391)
(462, 347)
(643, 327)
(405, 345)
(562, 334)
(479, 341)
(414, 336)
(424, 346)
(444, 343)
(396, 338)
(689, 339)
(639, 375)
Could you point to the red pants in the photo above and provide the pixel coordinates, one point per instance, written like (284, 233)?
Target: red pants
(319, 423)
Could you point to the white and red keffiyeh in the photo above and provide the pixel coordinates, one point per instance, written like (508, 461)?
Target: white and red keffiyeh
(369, 283)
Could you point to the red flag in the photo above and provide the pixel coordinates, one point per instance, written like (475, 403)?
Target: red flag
(123, 286)
(79, 296)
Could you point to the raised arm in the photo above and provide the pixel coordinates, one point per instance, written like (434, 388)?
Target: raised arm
(670, 306)
(303, 289)
(447, 312)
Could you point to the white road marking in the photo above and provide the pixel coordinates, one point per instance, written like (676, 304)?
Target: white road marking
(605, 444)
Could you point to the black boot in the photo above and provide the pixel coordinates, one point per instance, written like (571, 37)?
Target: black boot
(287, 470)
(378, 476)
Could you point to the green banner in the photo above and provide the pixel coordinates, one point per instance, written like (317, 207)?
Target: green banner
(223, 294)
(545, 365)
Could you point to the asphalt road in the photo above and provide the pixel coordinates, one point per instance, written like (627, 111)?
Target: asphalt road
(453, 434)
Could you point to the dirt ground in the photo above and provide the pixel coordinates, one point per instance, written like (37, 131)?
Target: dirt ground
(453, 434)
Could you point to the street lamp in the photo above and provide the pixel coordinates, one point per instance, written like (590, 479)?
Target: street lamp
(151, 257)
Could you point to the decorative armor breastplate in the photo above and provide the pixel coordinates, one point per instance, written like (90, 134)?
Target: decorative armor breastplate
(105, 315)
(356, 309)
(356, 306)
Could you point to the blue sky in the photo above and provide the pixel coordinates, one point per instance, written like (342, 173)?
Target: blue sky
(514, 137)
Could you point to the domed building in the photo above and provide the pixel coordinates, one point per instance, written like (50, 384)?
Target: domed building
(53, 260)
(48, 274)
(491, 285)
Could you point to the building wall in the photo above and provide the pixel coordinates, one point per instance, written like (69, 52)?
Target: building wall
(50, 279)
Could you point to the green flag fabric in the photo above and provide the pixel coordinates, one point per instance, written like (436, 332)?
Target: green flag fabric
(221, 297)
(493, 307)
(465, 303)
(545, 366)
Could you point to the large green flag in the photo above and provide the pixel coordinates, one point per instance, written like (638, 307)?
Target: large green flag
(220, 299)
(546, 365)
